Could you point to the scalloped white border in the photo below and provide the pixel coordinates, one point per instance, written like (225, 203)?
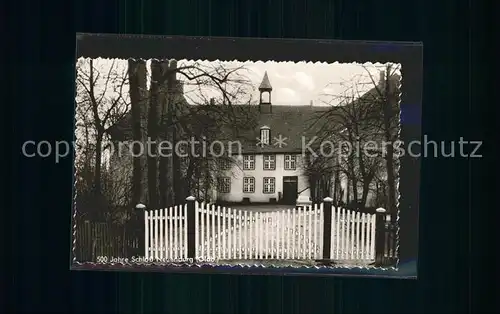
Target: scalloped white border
(255, 266)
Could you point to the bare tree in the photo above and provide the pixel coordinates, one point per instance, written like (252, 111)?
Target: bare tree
(360, 118)
(386, 98)
(176, 106)
(84, 164)
(194, 116)
(103, 93)
(101, 101)
(162, 111)
(153, 124)
(137, 77)
(350, 117)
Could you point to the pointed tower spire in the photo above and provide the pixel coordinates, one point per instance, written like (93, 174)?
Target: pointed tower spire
(265, 85)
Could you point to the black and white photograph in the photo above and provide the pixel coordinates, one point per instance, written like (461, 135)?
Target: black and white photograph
(237, 163)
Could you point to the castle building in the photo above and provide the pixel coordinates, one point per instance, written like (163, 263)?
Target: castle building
(271, 167)
(273, 164)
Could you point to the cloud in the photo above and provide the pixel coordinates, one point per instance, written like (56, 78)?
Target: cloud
(286, 94)
(280, 76)
(305, 80)
(328, 91)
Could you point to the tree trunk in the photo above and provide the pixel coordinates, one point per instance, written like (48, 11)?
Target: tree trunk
(325, 187)
(164, 171)
(207, 180)
(163, 182)
(97, 165)
(137, 90)
(190, 178)
(387, 109)
(354, 180)
(198, 178)
(137, 79)
(336, 187)
(366, 177)
(153, 122)
(166, 163)
(348, 189)
(313, 187)
(351, 169)
(377, 196)
(391, 200)
(366, 190)
(385, 195)
(176, 167)
(98, 124)
(329, 185)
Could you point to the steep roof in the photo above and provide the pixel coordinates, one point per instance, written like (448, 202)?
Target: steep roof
(295, 124)
(265, 84)
(292, 123)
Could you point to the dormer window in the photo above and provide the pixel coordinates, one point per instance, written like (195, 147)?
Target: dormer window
(265, 135)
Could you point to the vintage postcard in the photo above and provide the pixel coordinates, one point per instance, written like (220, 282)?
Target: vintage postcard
(237, 161)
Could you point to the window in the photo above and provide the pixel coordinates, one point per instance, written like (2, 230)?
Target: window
(224, 184)
(269, 185)
(224, 164)
(248, 185)
(269, 162)
(249, 162)
(265, 135)
(290, 162)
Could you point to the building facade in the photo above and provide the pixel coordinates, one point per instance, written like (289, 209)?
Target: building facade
(273, 162)
(264, 178)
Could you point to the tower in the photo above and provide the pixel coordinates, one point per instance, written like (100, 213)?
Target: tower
(265, 87)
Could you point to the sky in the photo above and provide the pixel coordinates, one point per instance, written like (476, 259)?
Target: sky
(293, 83)
(300, 83)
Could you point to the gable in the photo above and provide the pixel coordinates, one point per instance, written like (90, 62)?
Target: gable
(288, 123)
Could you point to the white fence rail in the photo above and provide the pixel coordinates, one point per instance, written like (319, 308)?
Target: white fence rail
(223, 233)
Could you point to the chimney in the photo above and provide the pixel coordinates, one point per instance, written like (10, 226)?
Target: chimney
(311, 103)
(212, 101)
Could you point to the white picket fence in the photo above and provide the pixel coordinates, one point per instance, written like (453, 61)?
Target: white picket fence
(224, 233)
(166, 233)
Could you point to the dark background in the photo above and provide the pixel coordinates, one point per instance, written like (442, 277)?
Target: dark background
(408, 55)
(453, 263)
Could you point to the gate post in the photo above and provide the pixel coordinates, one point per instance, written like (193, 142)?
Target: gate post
(191, 227)
(380, 236)
(327, 227)
(141, 234)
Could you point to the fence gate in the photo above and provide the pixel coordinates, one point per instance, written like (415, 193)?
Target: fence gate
(166, 233)
(230, 234)
(353, 235)
(221, 233)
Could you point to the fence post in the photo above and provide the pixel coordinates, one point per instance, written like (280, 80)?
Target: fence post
(327, 227)
(380, 236)
(139, 211)
(191, 225)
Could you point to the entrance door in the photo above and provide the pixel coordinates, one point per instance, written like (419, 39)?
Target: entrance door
(290, 192)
